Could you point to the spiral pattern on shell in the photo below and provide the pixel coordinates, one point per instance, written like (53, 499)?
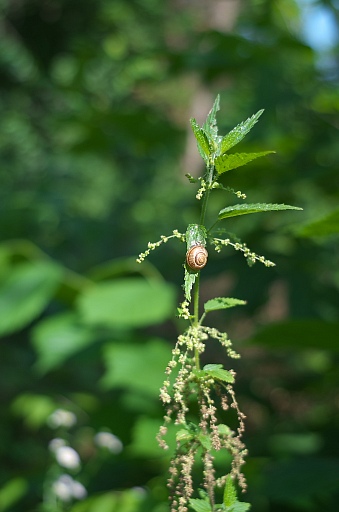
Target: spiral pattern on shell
(196, 257)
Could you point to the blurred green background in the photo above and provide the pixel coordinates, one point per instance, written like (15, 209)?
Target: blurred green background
(94, 144)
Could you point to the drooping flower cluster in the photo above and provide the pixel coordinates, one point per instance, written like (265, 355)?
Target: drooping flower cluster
(211, 386)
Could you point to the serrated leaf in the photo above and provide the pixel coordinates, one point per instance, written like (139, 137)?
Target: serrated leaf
(230, 493)
(202, 140)
(200, 505)
(245, 209)
(217, 372)
(238, 133)
(224, 429)
(183, 435)
(212, 366)
(224, 163)
(239, 506)
(205, 441)
(222, 303)
(189, 281)
(195, 235)
(210, 126)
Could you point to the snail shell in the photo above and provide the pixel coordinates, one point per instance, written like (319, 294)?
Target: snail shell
(196, 257)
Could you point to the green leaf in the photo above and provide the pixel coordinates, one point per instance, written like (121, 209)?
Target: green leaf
(59, 337)
(326, 226)
(222, 303)
(199, 505)
(217, 372)
(195, 235)
(224, 429)
(11, 492)
(224, 163)
(137, 367)
(239, 132)
(184, 435)
(205, 441)
(26, 293)
(230, 493)
(245, 209)
(201, 138)
(210, 126)
(189, 281)
(131, 302)
(239, 506)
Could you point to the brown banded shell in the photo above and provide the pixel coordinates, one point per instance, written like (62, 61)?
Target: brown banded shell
(196, 257)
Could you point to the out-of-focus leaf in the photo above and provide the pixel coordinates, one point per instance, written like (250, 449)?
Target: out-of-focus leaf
(245, 209)
(224, 163)
(326, 226)
(59, 337)
(239, 132)
(122, 501)
(132, 302)
(12, 492)
(26, 293)
(299, 334)
(34, 409)
(139, 367)
(144, 442)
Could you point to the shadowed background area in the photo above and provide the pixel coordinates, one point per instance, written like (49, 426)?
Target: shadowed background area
(95, 141)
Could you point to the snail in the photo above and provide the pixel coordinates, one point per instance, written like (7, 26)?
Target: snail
(196, 257)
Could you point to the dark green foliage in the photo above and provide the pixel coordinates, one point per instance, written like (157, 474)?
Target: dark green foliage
(94, 103)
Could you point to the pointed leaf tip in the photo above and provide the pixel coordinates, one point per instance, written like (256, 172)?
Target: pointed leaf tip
(239, 132)
(245, 209)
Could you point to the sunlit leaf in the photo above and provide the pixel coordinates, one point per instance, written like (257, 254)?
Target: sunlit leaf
(216, 371)
(224, 163)
(210, 126)
(138, 367)
(131, 302)
(59, 337)
(239, 506)
(230, 493)
(202, 141)
(11, 492)
(26, 293)
(200, 505)
(222, 303)
(245, 209)
(239, 132)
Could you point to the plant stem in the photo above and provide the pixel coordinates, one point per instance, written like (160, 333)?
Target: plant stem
(210, 170)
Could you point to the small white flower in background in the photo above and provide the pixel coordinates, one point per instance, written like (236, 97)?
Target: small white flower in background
(62, 418)
(56, 443)
(67, 457)
(65, 488)
(109, 441)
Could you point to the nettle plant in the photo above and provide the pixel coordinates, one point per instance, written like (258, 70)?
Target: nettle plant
(187, 386)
